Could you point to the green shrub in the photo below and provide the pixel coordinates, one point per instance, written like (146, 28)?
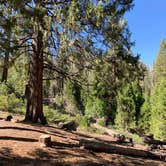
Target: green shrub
(13, 102)
(56, 116)
(101, 122)
(3, 102)
(95, 107)
(84, 123)
(3, 89)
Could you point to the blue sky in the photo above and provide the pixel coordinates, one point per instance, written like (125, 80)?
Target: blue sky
(147, 22)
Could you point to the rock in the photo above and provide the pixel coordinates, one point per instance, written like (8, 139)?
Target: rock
(8, 118)
(45, 141)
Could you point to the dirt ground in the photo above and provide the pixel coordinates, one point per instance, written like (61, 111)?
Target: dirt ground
(19, 146)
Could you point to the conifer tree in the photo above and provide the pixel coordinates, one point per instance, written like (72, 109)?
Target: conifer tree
(158, 96)
(126, 109)
(7, 38)
(145, 110)
(160, 63)
(158, 110)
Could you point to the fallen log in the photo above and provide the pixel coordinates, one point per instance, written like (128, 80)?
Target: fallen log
(156, 142)
(150, 140)
(109, 148)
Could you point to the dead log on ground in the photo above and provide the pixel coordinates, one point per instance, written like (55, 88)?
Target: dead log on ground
(109, 148)
(149, 139)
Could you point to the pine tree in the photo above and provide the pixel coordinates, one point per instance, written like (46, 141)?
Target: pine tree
(145, 110)
(158, 110)
(138, 98)
(158, 97)
(160, 63)
(126, 109)
(145, 116)
(7, 38)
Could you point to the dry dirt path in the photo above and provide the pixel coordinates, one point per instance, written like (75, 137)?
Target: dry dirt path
(19, 147)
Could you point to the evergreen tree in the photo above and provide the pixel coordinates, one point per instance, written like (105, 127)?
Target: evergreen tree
(158, 97)
(8, 32)
(145, 111)
(160, 63)
(145, 116)
(158, 110)
(126, 109)
(138, 98)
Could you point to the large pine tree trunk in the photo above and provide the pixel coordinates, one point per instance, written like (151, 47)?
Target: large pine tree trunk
(34, 111)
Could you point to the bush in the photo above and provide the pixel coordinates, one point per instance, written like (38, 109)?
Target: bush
(95, 107)
(56, 116)
(3, 102)
(10, 102)
(13, 102)
(84, 122)
(102, 122)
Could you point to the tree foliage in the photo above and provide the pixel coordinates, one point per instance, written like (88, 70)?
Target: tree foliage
(158, 110)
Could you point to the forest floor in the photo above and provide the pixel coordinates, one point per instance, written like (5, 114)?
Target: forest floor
(19, 146)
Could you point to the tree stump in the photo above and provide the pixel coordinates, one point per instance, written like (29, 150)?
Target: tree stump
(45, 141)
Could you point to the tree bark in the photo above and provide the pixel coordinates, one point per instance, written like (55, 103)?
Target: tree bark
(34, 111)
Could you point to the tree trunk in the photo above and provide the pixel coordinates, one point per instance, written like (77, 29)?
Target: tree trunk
(5, 68)
(109, 148)
(6, 60)
(34, 111)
